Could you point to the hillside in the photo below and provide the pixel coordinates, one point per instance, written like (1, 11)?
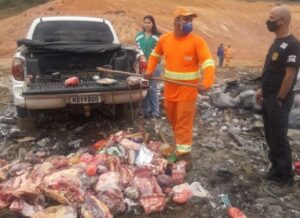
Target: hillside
(236, 22)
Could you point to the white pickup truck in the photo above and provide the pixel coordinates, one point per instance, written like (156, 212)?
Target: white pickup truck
(57, 48)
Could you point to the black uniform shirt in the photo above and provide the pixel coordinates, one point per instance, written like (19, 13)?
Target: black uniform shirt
(284, 52)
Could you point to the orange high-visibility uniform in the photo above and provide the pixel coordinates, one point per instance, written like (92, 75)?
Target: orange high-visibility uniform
(186, 58)
(227, 55)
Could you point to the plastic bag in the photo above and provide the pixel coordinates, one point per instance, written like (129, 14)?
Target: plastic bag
(144, 156)
(234, 212)
(198, 191)
(72, 81)
(182, 193)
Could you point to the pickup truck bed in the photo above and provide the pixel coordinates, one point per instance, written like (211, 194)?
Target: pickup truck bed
(57, 48)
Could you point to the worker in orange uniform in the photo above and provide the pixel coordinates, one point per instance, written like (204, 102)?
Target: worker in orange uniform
(187, 59)
(228, 55)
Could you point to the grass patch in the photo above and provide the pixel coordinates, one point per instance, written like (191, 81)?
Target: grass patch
(12, 7)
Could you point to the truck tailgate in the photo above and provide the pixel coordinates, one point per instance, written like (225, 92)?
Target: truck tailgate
(48, 88)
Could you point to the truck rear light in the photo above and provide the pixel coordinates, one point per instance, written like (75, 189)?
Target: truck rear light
(143, 64)
(145, 83)
(17, 69)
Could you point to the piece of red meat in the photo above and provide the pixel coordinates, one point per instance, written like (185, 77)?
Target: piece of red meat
(178, 172)
(153, 203)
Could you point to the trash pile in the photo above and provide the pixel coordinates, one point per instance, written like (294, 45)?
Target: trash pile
(114, 176)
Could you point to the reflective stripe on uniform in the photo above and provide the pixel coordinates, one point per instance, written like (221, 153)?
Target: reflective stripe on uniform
(153, 53)
(207, 63)
(156, 38)
(183, 148)
(139, 37)
(181, 75)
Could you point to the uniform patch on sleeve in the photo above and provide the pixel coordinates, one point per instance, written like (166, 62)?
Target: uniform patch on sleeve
(292, 59)
(283, 45)
(275, 56)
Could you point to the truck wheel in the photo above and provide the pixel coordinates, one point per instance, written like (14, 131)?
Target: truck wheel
(126, 111)
(22, 112)
(26, 119)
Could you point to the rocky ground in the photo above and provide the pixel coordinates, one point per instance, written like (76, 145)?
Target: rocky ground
(229, 155)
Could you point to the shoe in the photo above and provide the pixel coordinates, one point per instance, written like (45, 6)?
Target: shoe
(188, 159)
(272, 174)
(147, 116)
(280, 179)
(284, 182)
(155, 117)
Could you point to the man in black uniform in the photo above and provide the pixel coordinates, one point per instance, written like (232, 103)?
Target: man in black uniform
(276, 95)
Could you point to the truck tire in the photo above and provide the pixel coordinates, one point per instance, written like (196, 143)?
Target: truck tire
(26, 119)
(22, 112)
(126, 111)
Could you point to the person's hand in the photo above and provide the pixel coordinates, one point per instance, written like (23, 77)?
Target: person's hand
(280, 101)
(202, 89)
(147, 76)
(258, 96)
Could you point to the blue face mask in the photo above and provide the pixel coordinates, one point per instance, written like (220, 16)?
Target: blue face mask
(186, 28)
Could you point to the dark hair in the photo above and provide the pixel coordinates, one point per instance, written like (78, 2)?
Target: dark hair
(154, 30)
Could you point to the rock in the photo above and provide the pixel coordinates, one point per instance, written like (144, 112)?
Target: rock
(26, 139)
(246, 99)
(274, 209)
(205, 105)
(80, 128)
(294, 134)
(235, 121)
(43, 142)
(8, 120)
(294, 118)
(222, 100)
(75, 143)
(258, 124)
(224, 128)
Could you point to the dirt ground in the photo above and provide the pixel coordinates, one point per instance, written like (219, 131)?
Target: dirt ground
(240, 23)
(221, 164)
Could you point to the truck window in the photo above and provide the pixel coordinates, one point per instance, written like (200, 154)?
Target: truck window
(85, 31)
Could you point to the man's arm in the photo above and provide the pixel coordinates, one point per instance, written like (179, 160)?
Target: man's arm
(154, 58)
(292, 65)
(207, 67)
(287, 82)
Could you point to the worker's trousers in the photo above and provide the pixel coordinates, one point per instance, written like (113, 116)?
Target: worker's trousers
(181, 116)
(227, 61)
(151, 101)
(276, 120)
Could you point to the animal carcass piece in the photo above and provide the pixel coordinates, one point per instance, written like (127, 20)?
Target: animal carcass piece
(110, 193)
(22, 207)
(24, 186)
(57, 211)
(93, 208)
(6, 196)
(152, 198)
(65, 186)
(154, 202)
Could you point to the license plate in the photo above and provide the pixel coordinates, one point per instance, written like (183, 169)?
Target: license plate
(85, 99)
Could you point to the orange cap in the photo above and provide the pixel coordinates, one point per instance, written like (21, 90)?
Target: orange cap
(183, 11)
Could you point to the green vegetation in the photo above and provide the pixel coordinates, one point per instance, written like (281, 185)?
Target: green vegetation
(11, 7)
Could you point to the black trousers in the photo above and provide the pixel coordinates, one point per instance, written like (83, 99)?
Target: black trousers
(276, 120)
(221, 60)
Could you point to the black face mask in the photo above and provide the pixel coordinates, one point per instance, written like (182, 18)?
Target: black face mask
(272, 25)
